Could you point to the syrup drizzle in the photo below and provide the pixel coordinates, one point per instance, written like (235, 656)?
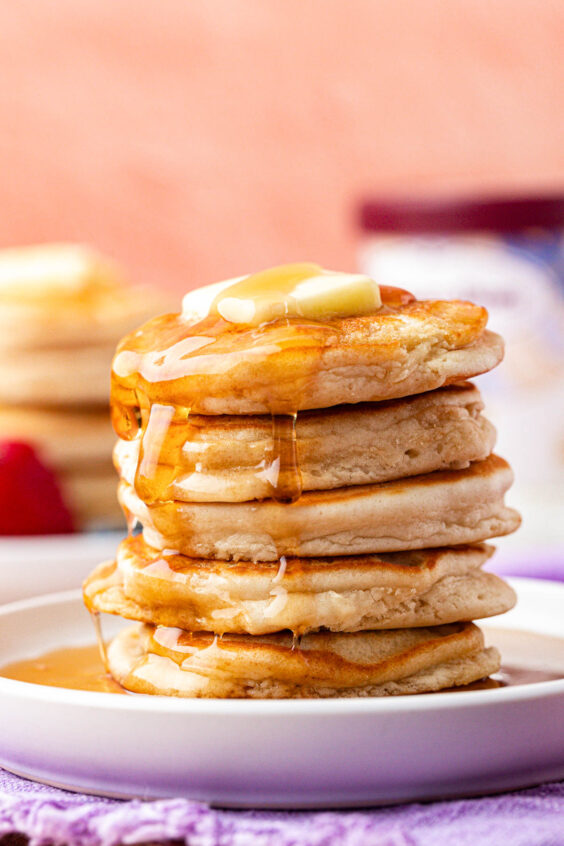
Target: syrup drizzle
(150, 451)
(95, 615)
(281, 570)
(131, 521)
(160, 451)
(285, 478)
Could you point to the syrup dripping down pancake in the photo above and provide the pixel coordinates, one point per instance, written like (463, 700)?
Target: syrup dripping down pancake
(215, 367)
(227, 458)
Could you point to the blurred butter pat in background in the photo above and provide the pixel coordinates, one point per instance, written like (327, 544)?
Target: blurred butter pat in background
(63, 308)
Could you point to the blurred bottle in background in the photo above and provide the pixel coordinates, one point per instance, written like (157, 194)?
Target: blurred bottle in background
(506, 253)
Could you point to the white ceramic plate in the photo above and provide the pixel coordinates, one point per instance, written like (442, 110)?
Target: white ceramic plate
(32, 566)
(297, 754)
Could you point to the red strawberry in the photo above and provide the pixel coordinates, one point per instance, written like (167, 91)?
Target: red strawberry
(30, 499)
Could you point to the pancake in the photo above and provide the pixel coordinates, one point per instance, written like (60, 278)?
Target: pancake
(65, 439)
(63, 295)
(91, 497)
(438, 509)
(63, 308)
(56, 377)
(215, 367)
(222, 458)
(396, 590)
(171, 662)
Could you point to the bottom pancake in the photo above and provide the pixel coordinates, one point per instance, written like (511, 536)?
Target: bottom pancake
(173, 662)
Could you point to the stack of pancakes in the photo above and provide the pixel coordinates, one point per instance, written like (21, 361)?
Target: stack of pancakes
(314, 497)
(63, 308)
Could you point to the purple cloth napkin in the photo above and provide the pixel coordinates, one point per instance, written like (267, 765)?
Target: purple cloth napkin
(532, 817)
(534, 563)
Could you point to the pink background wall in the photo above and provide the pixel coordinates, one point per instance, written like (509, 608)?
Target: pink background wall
(195, 140)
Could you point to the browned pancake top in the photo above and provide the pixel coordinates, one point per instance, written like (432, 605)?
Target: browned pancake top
(137, 550)
(169, 360)
(344, 659)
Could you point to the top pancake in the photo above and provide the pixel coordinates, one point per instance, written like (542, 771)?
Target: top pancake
(214, 367)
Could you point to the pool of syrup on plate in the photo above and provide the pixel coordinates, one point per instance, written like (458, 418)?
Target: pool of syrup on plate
(528, 659)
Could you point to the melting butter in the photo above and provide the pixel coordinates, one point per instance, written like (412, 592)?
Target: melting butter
(289, 290)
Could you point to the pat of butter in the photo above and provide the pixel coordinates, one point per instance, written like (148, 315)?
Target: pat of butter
(290, 290)
(50, 269)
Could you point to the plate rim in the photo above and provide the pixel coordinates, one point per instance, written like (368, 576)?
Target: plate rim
(24, 543)
(414, 703)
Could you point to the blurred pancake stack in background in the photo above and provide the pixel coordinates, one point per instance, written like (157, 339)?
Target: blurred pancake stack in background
(314, 480)
(63, 308)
